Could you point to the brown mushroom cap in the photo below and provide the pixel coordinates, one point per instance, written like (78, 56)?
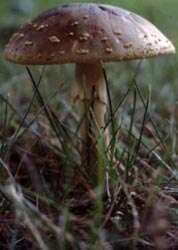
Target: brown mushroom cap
(78, 33)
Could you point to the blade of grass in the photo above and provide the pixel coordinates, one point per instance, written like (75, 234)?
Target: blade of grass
(45, 107)
(131, 148)
(154, 125)
(137, 148)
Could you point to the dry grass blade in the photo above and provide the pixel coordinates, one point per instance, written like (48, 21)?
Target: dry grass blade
(31, 216)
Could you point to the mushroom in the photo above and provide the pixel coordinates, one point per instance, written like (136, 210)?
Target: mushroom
(87, 35)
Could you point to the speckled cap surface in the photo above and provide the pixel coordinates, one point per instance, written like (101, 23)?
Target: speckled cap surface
(85, 33)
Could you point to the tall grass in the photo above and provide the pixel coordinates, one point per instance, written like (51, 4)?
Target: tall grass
(46, 201)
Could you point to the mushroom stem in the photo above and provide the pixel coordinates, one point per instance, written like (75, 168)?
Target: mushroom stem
(91, 97)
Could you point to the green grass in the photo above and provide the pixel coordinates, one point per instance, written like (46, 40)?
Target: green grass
(139, 178)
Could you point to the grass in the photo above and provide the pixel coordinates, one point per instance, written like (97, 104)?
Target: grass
(46, 202)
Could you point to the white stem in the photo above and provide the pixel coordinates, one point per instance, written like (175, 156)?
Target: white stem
(89, 94)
